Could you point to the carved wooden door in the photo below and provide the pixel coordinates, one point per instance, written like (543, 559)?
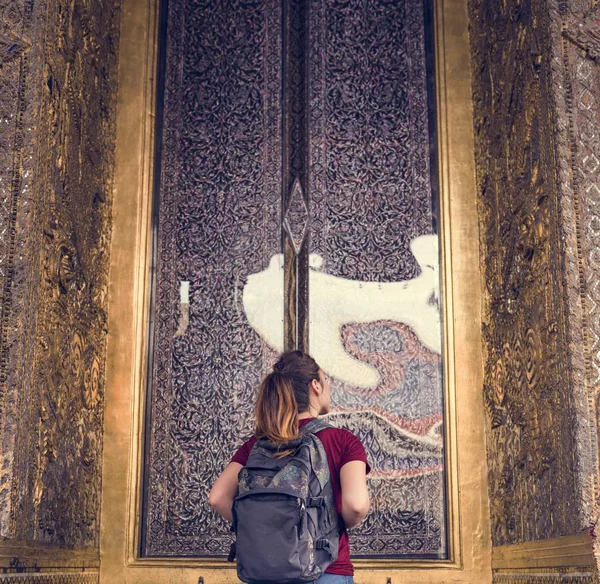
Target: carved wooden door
(296, 207)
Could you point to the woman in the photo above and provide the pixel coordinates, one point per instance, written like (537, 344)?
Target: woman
(295, 392)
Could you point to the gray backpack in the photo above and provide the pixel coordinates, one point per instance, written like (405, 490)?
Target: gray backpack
(284, 515)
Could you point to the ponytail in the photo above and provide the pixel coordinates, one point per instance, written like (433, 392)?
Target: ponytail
(283, 394)
(277, 409)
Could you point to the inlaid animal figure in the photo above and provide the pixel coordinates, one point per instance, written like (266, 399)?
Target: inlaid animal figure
(336, 301)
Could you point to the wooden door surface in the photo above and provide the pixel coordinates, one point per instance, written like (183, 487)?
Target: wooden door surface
(296, 206)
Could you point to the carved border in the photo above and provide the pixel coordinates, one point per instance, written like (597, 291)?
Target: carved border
(52, 578)
(568, 551)
(576, 79)
(22, 70)
(554, 577)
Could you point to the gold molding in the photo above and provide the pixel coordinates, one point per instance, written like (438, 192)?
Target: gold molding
(569, 551)
(128, 290)
(469, 539)
(47, 555)
(444, 180)
(52, 577)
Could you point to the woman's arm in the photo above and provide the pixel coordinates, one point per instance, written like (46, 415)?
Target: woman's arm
(224, 490)
(355, 496)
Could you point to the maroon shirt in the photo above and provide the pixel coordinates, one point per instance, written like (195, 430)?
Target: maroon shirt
(340, 447)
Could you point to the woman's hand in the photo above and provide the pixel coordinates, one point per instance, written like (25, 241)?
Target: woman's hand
(224, 490)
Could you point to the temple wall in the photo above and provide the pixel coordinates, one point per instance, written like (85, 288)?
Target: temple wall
(536, 98)
(58, 89)
(535, 115)
(527, 379)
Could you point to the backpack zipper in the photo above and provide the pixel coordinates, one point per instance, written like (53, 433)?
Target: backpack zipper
(301, 514)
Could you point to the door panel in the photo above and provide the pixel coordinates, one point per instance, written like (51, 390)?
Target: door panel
(296, 206)
(217, 221)
(374, 285)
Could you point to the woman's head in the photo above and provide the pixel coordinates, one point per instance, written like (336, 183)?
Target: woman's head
(295, 386)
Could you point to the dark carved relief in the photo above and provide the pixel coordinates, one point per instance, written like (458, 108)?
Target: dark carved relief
(219, 220)
(58, 99)
(11, 47)
(371, 201)
(226, 197)
(585, 33)
(531, 444)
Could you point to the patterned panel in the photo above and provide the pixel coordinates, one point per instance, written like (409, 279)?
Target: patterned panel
(51, 578)
(577, 94)
(16, 113)
(371, 199)
(527, 385)
(220, 234)
(219, 221)
(370, 141)
(546, 577)
(585, 126)
(56, 160)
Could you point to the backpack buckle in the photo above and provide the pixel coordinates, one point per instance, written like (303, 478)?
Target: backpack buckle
(323, 544)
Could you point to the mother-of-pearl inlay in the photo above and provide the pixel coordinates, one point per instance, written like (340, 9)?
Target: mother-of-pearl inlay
(336, 301)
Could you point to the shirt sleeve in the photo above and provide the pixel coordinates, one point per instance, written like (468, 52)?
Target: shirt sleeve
(353, 450)
(243, 452)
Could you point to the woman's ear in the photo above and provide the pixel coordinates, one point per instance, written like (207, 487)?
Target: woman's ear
(316, 387)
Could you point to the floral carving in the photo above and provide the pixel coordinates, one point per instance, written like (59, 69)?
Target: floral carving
(531, 443)
(219, 220)
(56, 164)
(358, 187)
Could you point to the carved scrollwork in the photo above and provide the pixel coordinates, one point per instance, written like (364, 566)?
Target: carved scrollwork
(49, 578)
(531, 442)
(546, 577)
(55, 265)
(351, 135)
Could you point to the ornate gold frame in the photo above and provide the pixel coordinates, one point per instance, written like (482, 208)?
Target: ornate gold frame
(129, 285)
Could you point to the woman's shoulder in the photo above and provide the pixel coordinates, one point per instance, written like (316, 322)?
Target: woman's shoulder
(242, 453)
(337, 431)
(343, 444)
(337, 435)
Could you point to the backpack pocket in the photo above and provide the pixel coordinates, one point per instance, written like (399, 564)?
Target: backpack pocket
(271, 537)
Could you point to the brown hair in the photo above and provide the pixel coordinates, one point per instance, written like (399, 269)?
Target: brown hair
(283, 394)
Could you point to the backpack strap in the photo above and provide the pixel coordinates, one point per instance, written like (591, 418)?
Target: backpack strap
(232, 551)
(314, 426)
(319, 461)
(323, 544)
